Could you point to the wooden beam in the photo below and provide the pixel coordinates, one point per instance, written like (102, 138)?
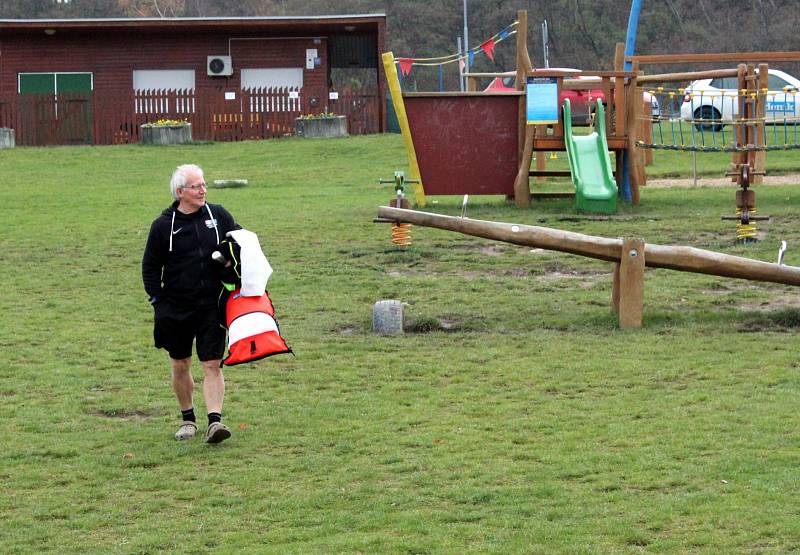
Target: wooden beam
(686, 76)
(716, 57)
(684, 259)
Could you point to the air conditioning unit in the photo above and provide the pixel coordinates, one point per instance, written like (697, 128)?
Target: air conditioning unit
(219, 66)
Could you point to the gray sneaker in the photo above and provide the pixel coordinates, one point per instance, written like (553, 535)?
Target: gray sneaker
(186, 431)
(217, 432)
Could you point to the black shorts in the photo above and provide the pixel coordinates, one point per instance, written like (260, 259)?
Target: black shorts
(176, 328)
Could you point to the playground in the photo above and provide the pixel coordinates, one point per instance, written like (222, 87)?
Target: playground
(514, 415)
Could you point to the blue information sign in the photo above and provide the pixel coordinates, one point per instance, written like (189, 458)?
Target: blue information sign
(541, 95)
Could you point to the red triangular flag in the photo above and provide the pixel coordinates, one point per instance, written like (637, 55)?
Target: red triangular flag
(405, 65)
(488, 47)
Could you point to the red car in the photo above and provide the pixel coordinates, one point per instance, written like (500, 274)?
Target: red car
(581, 101)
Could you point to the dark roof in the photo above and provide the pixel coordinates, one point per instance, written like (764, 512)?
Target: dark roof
(320, 23)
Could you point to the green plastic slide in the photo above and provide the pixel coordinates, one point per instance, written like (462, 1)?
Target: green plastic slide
(590, 165)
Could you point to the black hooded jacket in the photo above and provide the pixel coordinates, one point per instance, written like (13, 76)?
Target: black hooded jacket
(177, 264)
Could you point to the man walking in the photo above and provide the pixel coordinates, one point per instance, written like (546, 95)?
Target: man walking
(184, 288)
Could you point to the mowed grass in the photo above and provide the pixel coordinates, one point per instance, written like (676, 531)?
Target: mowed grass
(513, 417)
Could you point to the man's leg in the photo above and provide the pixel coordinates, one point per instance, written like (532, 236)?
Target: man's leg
(182, 382)
(183, 385)
(214, 392)
(213, 385)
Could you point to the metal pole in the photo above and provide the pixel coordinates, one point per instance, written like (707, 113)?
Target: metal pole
(466, 39)
(545, 49)
(630, 42)
(460, 71)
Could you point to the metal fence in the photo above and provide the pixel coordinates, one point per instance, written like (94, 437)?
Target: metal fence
(215, 114)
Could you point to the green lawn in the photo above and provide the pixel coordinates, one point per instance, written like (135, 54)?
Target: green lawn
(513, 417)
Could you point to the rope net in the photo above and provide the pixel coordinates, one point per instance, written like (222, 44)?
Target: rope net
(711, 121)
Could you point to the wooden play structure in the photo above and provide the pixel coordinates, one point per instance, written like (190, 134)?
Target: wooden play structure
(744, 134)
(481, 144)
(629, 255)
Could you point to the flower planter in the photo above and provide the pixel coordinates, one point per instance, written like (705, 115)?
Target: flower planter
(7, 138)
(166, 134)
(321, 128)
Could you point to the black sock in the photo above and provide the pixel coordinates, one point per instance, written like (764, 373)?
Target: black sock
(188, 415)
(214, 417)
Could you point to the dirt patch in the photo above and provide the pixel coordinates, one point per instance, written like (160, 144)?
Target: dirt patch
(493, 250)
(123, 414)
(792, 179)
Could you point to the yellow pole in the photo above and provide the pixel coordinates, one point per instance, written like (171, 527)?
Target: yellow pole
(400, 109)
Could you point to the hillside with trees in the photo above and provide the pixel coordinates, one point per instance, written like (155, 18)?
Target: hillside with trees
(582, 33)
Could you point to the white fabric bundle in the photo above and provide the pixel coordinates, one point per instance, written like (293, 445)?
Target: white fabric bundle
(256, 270)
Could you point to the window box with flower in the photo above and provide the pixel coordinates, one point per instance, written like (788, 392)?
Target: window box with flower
(166, 132)
(321, 126)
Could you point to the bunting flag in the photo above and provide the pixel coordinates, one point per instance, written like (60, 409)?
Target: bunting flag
(488, 47)
(405, 65)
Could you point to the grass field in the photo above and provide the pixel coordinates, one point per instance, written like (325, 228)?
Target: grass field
(513, 417)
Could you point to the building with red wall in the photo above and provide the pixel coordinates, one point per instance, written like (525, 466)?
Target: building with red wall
(210, 71)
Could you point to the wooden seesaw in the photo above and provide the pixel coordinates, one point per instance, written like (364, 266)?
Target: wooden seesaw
(629, 255)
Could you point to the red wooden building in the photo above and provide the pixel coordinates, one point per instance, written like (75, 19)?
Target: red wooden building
(95, 81)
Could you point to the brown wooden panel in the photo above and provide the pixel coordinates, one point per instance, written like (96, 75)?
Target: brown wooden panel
(465, 144)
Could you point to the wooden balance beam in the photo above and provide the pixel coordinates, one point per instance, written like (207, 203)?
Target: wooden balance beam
(629, 255)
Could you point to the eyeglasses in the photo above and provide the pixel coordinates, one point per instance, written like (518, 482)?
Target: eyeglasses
(195, 187)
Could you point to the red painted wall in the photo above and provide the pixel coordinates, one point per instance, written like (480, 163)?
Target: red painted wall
(112, 57)
(465, 144)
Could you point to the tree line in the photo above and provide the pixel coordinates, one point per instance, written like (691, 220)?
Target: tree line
(582, 33)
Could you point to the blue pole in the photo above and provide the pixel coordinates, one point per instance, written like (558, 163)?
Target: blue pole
(630, 43)
(633, 24)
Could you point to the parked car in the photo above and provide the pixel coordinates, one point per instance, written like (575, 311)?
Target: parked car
(716, 100)
(581, 101)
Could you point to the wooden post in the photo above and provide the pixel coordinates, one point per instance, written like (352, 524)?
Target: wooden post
(738, 130)
(647, 133)
(627, 296)
(522, 187)
(633, 104)
(523, 67)
(761, 112)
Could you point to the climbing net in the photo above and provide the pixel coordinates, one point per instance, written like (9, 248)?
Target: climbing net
(711, 121)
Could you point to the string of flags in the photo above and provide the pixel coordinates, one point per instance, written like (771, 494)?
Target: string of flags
(487, 47)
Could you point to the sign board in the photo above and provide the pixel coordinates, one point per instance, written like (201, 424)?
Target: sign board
(230, 95)
(311, 54)
(294, 94)
(541, 100)
(333, 95)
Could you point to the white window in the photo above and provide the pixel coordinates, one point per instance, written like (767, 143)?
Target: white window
(260, 81)
(151, 86)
